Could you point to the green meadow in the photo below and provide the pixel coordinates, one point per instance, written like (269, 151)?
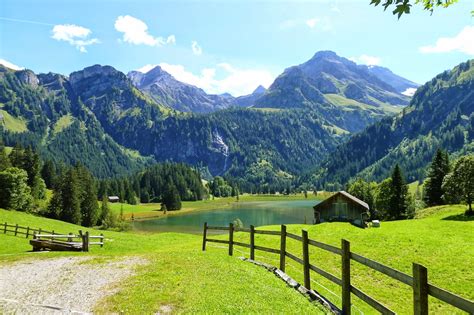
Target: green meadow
(180, 275)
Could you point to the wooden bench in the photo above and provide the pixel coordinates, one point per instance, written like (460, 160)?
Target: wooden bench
(39, 244)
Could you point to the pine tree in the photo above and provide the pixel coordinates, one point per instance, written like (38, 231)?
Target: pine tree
(70, 196)
(171, 198)
(107, 218)
(4, 160)
(399, 192)
(433, 185)
(48, 173)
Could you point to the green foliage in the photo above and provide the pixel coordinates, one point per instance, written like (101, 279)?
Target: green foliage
(365, 191)
(171, 198)
(399, 194)
(440, 115)
(433, 184)
(75, 197)
(459, 185)
(107, 219)
(4, 160)
(404, 6)
(15, 193)
(220, 188)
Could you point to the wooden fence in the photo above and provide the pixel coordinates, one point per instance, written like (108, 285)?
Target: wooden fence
(418, 281)
(40, 234)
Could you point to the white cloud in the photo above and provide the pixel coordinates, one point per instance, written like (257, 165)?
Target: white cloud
(367, 60)
(462, 42)
(316, 23)
(77, 36)
(146, 68)
(135, 32)
(197, 50)
(223, 78)
(312, 22)
(409, 92)
(10, 65)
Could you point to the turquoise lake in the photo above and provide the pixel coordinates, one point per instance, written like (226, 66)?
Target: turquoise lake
(250, 213)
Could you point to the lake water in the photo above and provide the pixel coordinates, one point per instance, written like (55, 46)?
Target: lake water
(250, 213)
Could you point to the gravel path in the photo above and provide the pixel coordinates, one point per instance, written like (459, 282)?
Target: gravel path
(66, 285)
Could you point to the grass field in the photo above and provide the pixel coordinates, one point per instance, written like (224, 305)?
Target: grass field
(13, 124)
(149, 210)
(179, 274)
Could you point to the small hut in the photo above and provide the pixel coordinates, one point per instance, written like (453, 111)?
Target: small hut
(344, 207)
(114, 199)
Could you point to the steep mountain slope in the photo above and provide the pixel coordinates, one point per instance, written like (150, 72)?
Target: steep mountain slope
(441, 114)
(97, 112)
(59, 125)
(348, 95)
(249, 100)
(401, 85)
(164, 89)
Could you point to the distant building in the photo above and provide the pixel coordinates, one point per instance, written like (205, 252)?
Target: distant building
(114, 199)
(342, 206)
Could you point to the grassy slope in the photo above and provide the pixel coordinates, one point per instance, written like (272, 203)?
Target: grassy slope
(13, 124)
(437, 241)
(179, 274)
(62, 123)
(441, 241)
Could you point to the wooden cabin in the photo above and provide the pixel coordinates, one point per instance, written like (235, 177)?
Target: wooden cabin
(344, 207)
(114, 199)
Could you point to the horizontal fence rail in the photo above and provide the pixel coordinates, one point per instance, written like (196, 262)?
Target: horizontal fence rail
(418, 281)
(41, 234)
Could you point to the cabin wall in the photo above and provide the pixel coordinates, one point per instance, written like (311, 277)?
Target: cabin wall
(340, 209)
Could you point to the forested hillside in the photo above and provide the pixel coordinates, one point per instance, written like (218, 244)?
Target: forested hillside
(42, 111)
(441, 115)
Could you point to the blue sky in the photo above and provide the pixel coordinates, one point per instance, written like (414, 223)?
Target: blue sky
(230, 46)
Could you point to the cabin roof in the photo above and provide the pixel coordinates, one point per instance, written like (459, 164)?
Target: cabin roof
(114, 197)
(345, 194)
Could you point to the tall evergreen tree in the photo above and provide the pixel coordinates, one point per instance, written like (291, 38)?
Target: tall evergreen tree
(433, 185)
(399, 193)
(70, 198)
(48, 173)
(4, 160)
(171, 198)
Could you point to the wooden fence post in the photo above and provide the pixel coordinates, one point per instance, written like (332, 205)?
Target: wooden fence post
(231, 239)
(27, 231)
(5, 228)
(420, 290)
(307, 279)
(102, 240)
(252, 242)
(39, 233)
(16, 229)
(69, 239)
(346, 277)
(204, 235)
(52, 233)
(282, 247)
(85, 242)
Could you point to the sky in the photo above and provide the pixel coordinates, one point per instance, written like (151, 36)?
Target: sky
(230, 46)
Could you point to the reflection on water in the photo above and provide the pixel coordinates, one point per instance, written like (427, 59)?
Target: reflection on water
(249, 213)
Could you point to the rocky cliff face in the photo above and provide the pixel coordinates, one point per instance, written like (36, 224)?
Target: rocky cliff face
(164, 89)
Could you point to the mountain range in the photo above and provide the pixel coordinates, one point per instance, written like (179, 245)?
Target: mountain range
(116, 123)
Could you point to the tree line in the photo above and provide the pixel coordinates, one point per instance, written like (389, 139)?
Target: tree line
(446, 183)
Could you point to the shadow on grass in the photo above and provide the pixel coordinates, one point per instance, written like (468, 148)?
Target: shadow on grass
(460, 217)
